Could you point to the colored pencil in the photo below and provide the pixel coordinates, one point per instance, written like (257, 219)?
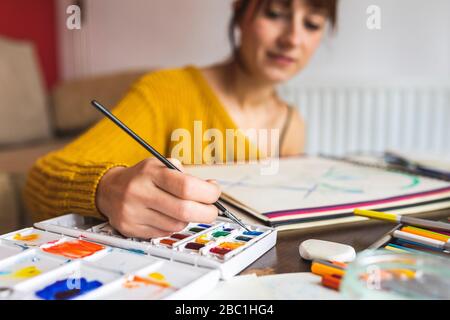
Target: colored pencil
(421, 223)
(423, 240)
(426, 233)
(159, 156)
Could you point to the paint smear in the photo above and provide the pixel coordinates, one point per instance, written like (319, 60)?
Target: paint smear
(68, 289)
(76, 249)
(29, 237)
(155, 279)
(27, 272)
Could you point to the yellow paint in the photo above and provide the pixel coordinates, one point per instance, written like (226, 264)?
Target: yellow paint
(27, 272)
(30, 237)
(157, 276)
(202, 239)
(231, 245)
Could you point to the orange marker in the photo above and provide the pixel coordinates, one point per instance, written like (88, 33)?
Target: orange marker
(426, 233)
(326, 269)
(332, 282)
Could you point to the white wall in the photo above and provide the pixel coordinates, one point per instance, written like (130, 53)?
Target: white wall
(414, 40)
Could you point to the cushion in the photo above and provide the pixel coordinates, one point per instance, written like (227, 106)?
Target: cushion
(9, 207)
(23, 105)
(71, 108)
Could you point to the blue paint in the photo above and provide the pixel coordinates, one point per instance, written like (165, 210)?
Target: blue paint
(228, 229)
(68, 289)
(252, 233)
(21, 246)
(136, 251)
(202, 225)
(5, 273)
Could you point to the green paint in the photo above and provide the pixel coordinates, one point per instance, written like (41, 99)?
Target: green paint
(196, 230)
(220, 234)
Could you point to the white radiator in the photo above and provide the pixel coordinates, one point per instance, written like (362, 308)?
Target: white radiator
(372, 118)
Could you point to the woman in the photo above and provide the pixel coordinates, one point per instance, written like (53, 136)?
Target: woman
(106, 173)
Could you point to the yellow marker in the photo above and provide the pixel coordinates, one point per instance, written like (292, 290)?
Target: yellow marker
(395, 249)
(376, 215)
(421, 223)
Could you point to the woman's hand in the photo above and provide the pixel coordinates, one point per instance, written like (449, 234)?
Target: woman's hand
(150, 200)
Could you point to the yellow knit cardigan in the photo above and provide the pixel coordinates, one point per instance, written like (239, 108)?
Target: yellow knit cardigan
(157, 106)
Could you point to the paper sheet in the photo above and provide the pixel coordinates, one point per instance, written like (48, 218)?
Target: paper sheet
(313, 182)
(288, 286)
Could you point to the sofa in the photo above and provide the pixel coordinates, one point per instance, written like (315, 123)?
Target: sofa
(35, 121)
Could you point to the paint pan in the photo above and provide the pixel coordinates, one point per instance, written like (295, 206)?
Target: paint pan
(68, 282)
(122, 261)
(31, 237)
(186, 235)
(227, 247)
(9, 249)
(72, 248)
(158, 281)
(26, 265)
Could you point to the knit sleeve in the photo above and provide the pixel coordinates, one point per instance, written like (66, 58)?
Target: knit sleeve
(66, 180)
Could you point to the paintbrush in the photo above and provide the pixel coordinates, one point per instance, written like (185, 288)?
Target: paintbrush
(159, 156)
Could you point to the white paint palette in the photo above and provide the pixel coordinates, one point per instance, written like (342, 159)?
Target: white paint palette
(9, 249)
(221, 245)
(31, 237)
(76, 257)
(27, 265)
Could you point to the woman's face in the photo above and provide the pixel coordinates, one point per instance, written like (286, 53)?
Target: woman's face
(278, 39)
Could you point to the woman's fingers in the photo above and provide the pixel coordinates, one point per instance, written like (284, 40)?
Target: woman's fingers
(143, 231)
(181, 210)
(185, 186)
(154, 218)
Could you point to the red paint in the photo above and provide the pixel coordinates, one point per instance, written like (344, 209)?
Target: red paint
(179, 236)
(194, 246)
(34, 21)
(219, 250)
(168, 242)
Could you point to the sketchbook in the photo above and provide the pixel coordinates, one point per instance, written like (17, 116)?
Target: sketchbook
(315, 191)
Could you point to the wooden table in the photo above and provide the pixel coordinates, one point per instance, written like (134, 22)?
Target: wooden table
(285, 257)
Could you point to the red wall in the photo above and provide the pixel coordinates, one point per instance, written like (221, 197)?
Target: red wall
(33, 20)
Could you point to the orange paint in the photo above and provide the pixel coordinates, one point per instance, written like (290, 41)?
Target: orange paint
(30, 237)
(168, 242)
(74, 249)
(155, 279)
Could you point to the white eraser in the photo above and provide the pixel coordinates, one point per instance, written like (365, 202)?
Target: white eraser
(326, 250)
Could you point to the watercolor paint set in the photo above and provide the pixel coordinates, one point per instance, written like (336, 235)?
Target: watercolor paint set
(77, 257)
(221, 245)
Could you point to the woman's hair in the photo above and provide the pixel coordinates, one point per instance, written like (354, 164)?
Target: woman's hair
(327, 6)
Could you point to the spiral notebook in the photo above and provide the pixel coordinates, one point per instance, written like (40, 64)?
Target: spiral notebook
(315, 191)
